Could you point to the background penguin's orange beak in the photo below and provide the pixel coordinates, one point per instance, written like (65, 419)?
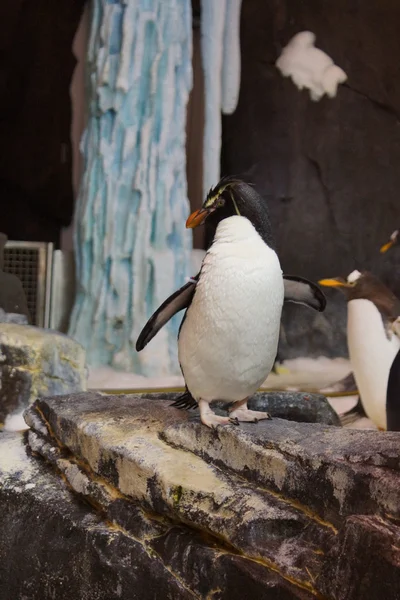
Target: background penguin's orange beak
(334, 282)
(386, 247)
(197, 218)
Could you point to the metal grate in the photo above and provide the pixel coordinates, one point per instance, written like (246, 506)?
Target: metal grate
(31, 262)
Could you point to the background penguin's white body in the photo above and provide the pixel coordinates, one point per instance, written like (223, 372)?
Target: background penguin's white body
(371, 355)
(229, 338)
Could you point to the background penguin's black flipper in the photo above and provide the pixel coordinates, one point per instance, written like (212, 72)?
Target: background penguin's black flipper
(177, 301)
(303, 291)
(393, 396)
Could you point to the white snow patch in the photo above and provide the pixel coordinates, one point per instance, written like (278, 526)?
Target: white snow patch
(15, 422)
(310, 67)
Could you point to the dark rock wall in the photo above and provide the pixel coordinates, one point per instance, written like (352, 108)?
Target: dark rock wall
(328, 170)
(36, 68)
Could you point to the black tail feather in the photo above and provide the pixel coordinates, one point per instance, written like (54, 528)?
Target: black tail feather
(357, 412)
(185, 401)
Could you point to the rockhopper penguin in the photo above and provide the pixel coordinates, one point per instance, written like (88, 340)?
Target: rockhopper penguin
(372, 313)
(228, 337)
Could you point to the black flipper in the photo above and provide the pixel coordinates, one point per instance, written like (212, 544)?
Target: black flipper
(177, 301)
(393, 396)
(303, 291)
(185, 401)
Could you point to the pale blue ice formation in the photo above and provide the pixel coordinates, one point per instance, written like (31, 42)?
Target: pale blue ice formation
(220, 46)
(132, 248)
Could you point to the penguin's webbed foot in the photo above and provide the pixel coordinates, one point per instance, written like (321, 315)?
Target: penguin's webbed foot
(240, 411)
(211, 419)
(249, 416)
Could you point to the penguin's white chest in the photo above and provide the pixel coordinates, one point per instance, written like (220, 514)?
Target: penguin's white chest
(371, 355)
(229, 338)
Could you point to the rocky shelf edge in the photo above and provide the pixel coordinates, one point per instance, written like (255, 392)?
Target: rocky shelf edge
(290, 510)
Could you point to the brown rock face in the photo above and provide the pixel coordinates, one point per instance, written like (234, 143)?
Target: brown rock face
(36, 158)
(328, 170)
(284, 509)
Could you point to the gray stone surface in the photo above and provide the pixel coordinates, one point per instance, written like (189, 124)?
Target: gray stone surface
(303, 500)
(37, 362)
(329, 169)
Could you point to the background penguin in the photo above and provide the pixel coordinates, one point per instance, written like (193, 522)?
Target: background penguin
(229, 334)
(393, 389)
(371, 338)
(348, 384)
(393, 240)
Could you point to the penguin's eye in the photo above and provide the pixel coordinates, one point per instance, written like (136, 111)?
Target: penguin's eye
(220, 202)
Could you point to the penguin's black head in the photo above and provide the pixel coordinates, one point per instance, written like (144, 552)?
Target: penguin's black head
(368, 287)
(393, 240)
(229, 197)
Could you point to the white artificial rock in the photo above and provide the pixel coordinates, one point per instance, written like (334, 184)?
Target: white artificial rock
(309, 67)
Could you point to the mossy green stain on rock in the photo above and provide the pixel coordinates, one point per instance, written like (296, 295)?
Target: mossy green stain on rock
(177, 494)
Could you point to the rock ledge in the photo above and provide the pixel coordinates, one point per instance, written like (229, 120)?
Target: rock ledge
(278, 510)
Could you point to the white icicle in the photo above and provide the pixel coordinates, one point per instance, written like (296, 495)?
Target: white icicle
(212, 31)
(220, 46)
(231, 57)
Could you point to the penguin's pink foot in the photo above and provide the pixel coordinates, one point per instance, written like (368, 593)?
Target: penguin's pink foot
(240, 411)
(211, 419)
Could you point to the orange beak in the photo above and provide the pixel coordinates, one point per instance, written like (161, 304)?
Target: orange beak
(197, 218)
(334, 282)
(386, 247)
